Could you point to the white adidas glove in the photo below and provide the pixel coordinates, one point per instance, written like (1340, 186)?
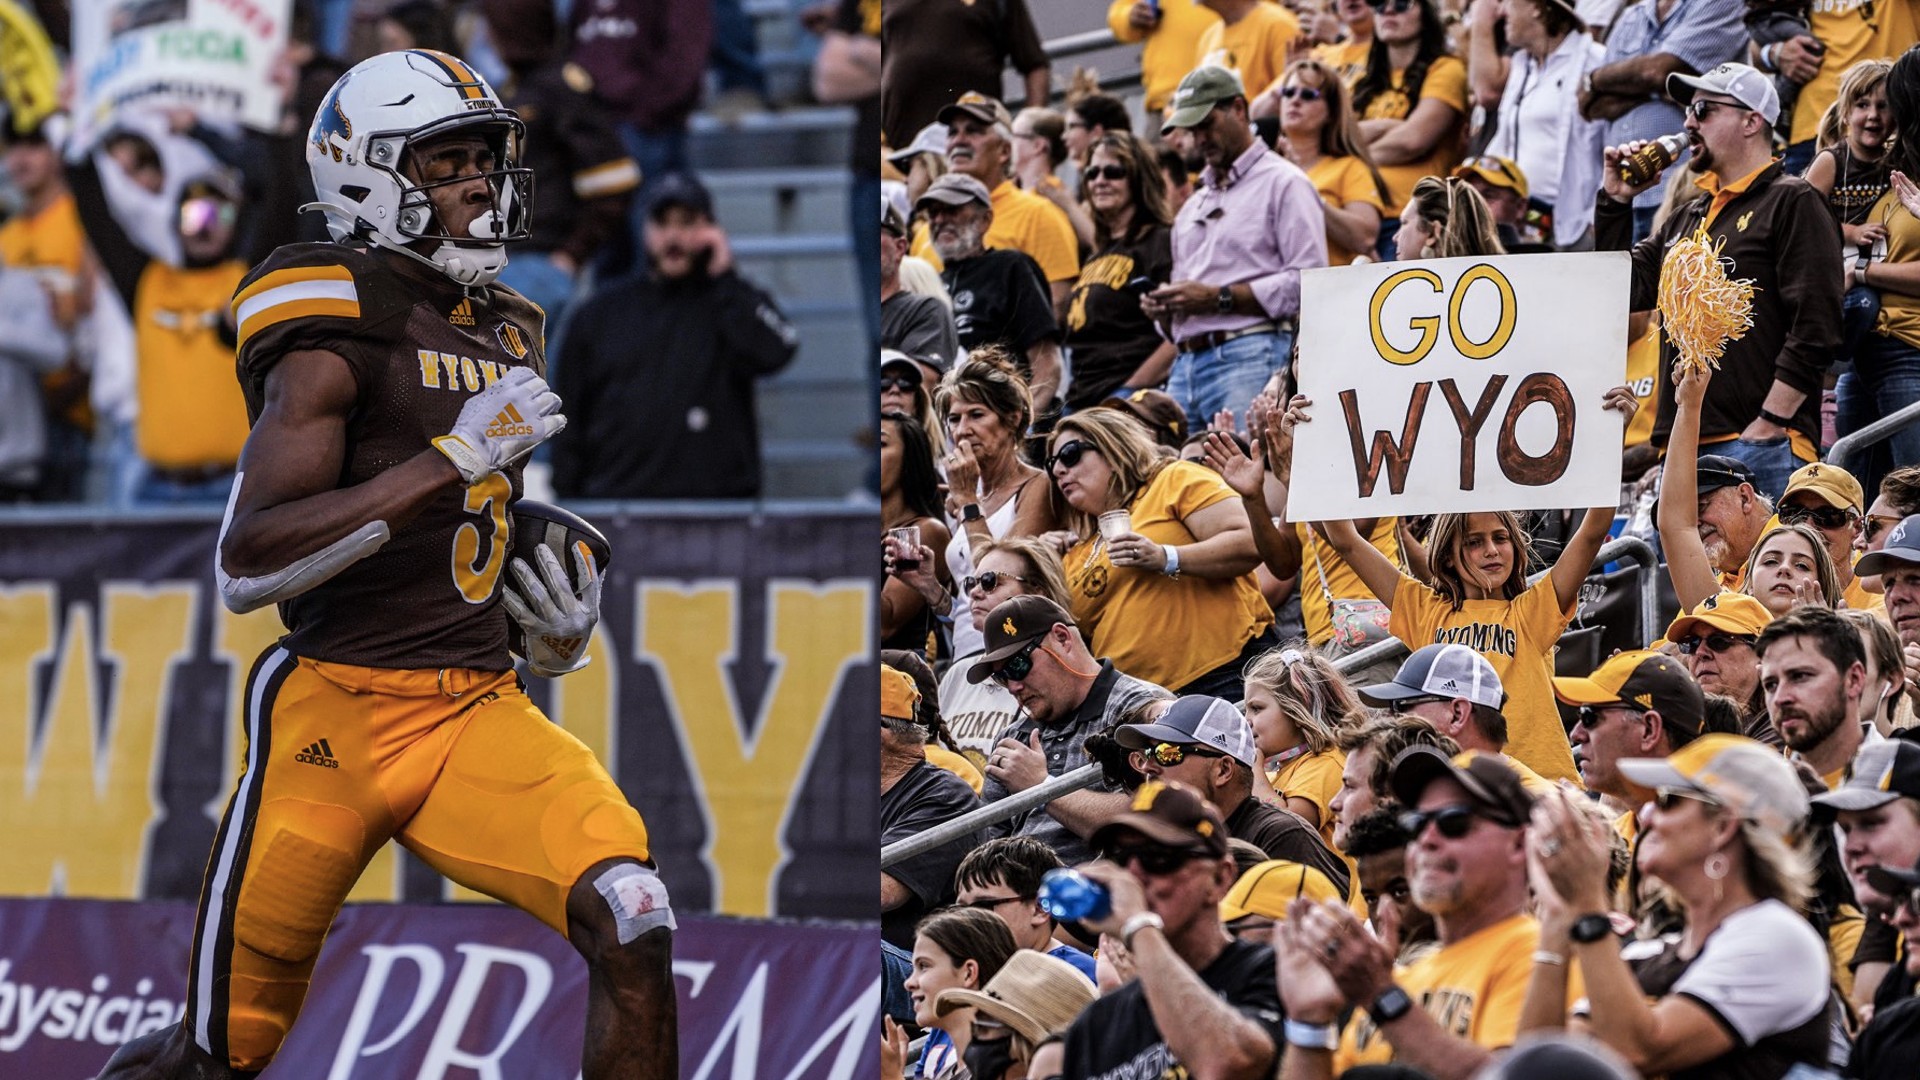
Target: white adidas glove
(502, 424)
(556, 621)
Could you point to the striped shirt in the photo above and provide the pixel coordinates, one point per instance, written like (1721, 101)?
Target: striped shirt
(1701, 33)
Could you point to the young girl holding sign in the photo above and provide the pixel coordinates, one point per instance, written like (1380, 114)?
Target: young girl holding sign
(1476, 594)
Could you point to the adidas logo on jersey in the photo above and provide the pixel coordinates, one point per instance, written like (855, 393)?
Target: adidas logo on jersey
(318, 754)
(509, 424)
(462, 313)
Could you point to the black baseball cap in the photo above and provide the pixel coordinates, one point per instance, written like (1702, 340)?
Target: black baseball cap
(1717, 471)
(1011, 625)
(682, 189)
(1493, 787)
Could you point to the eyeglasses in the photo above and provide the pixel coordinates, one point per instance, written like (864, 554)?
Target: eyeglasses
(1153, 859)
(906, 384)
(1405, 705)
(1718, 642)
(1169, 754)
(989, 903)
(1591, 715)
(1106, 172)
(1822, 517)
(1453, 822)
(1700, 108)
(1879, 523)
(1390, 7)
(1069, 454)
(1018, 666)
(1665, 798)
(1304, 93)
(989, 580)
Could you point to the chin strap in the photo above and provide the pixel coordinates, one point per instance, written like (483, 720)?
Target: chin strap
(462, 270)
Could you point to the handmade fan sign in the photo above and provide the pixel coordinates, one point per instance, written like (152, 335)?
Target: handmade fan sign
(1460, 385)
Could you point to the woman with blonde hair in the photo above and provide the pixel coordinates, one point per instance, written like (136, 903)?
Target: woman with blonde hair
(1165, 587)
(991, 490)
(1446, 219)
(1298, 703)
(1744, 988)
(1322, 136)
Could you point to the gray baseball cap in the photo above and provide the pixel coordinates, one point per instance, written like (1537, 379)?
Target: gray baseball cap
(955, 189)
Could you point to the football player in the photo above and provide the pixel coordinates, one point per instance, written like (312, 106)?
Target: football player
(394, 389)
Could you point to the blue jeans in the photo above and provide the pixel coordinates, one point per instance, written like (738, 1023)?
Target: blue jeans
(154, 490)
(1227, 377)
(1772, 461)
(1885, 378)
(734, 55)
(1859, 311)
(1643, 222)
(1389, 230)
(1797, 157)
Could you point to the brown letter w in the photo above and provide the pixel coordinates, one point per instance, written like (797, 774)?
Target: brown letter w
(1396, 456)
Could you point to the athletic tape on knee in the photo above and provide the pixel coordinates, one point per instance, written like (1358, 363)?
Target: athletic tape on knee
(244, 594)
(638, 899)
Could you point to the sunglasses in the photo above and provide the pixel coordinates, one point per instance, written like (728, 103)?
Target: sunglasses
(989, 580)
(906, 384)
(1403, 706)
(1877, 524)
(1822, 517)
(1665, 798)
(1591, 715)
(1169, 754)
(1018, 666)
(1106, 172)
(1304, 93)
(1390, 7)
(1716, 641)
(1701, 108)
(1069, 454)
(1453, 822)
(1153, 859)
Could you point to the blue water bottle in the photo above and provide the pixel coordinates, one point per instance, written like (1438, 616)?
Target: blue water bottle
(1069, 895)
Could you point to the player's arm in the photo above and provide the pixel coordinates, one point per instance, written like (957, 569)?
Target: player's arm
(286, 506)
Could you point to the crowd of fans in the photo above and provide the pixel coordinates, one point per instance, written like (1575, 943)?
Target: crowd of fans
(1508, 853)
(118, 257)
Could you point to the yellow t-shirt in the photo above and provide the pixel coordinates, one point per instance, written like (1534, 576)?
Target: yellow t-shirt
(1170, 47)
(1899, 313)
(1473, 988)
(1843, 939)
(1446, 81)
(1256, 46)
(1315, 778)
(1859, 599)
(1342, 181)
(1346, 58)
(1165, 630)
(1842, 26)
(1517, 637)
(1643, 375)
(1022, 221)
(1342, 580)
(957, 764)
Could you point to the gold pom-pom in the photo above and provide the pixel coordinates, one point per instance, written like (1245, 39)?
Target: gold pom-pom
(1701, 308)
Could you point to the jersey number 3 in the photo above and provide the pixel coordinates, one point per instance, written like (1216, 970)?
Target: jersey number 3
(476, 580)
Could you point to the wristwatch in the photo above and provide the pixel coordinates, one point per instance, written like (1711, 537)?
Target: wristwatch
(1392, 1004)
(971, 512)
(1588, 929)
(1143, 921)
(1226, 299)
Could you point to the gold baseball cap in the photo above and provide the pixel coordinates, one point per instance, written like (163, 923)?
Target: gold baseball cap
(1498, 171)
(1835, 486)
(1735, 613)
(898, 695)
(1267, 888)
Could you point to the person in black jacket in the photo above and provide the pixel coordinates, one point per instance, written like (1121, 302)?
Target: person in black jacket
(659, 369)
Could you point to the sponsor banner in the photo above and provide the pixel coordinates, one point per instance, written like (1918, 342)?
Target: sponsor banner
(1460, 385)
(731, 693)
(404, 991)
(215, 57)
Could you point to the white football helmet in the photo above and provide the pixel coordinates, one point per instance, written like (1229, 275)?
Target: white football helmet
(371, 120)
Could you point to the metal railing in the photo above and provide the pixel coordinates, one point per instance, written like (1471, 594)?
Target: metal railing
(1875, 432)
(1061, 48)
(1626, 547)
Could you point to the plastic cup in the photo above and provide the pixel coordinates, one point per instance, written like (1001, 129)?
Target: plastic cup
(907, 537)
(1115, 524)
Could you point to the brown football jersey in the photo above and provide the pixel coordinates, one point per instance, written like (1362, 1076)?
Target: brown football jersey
(419, 346)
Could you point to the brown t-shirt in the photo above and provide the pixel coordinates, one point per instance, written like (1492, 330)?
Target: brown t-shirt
(935, 50)
(419, 346)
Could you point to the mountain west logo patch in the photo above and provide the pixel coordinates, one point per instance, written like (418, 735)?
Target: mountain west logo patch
(512, 340)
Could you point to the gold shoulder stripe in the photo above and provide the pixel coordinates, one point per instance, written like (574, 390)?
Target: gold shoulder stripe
(292, 274)
(294, 309)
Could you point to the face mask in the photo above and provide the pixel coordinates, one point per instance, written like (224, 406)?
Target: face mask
(989, 1059)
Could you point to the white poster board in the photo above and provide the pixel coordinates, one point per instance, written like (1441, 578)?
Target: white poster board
(213, 56)
(1516, 352)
